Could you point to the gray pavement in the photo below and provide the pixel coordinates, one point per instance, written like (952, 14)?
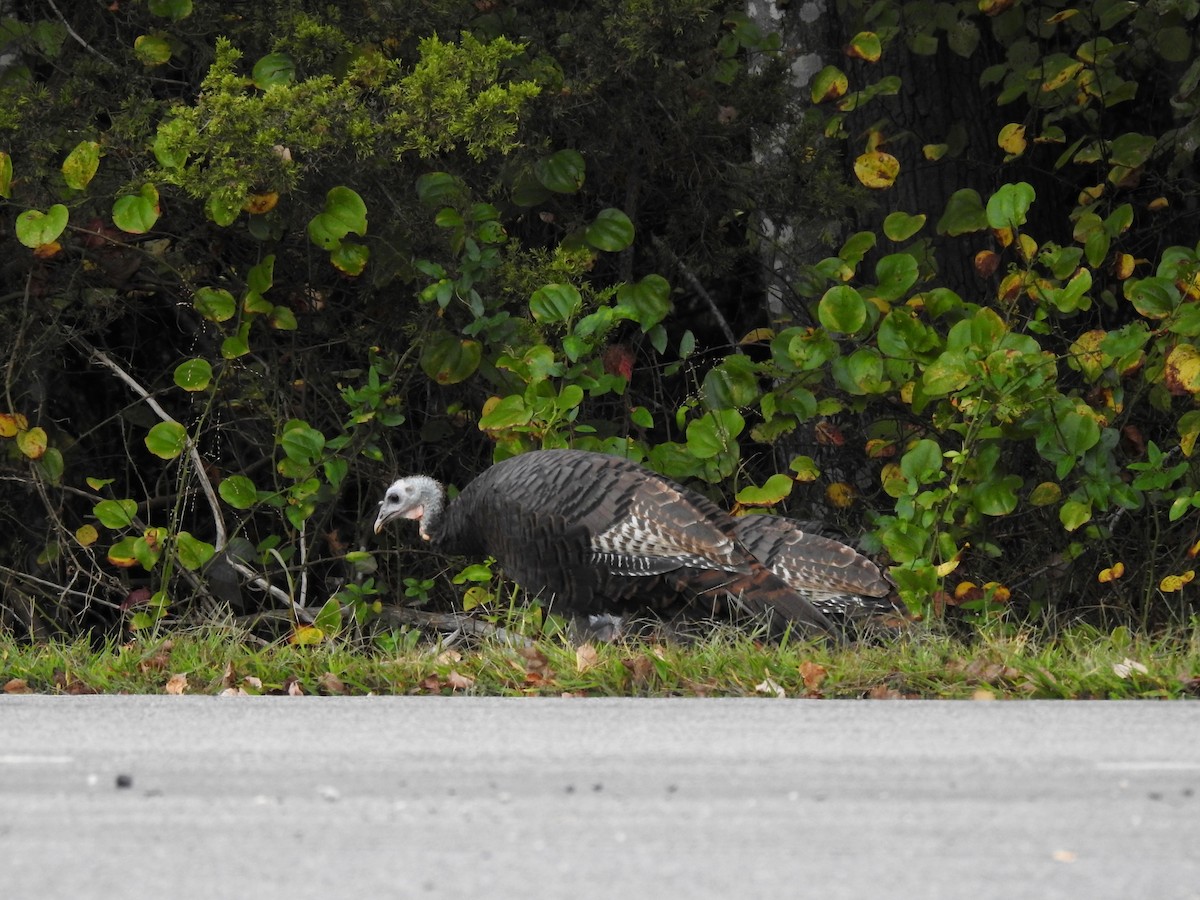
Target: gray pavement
(213, 797)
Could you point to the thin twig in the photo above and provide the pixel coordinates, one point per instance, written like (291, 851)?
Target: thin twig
(82, 43)
(193, 451)
(696, 286)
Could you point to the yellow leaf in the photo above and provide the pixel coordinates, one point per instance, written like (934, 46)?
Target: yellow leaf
(1003, 235)
(1061, 77)
(934, 152)
(1123, 265)
(306, 636)
(1158, 203)
(86, 535)
(1026, 247)
(946, 568)
(758, 336)
(32, 443)
(1181, 374)
(877, 170)
(1012, 139)
(840, 494)
(1174, 583)
(257, 204)
(11, 423)
(1115, 571)
(996, 592)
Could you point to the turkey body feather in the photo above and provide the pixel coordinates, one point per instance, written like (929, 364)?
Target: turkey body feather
(591, 532)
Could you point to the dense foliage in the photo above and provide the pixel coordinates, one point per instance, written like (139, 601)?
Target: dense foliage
(259, 263)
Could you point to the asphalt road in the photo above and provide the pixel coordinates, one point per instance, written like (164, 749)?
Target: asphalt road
(261, 797)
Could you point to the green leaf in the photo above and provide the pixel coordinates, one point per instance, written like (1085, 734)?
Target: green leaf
(562, 172)
(510, 412)
(215, 304)
(115, 513)
(732, 384)
(344, 212)
(5, 175)
(777, 488)
(1073, 514)
(997, 496)
(922, 463)
(261, 276)
(440, 188)
(193, 375)
(350, 257)
(641, 417)
(36, 228)
(238, 491)
(220, 211)
(302, 443)
(448, 359)
(829, 84)
(899, 226)
(555, 303)
(1079, 433)
(273, 70)
(171, 9)
(842, 309)
(896, 273)
(1007, 208)
(611, 231)
(137, 213)
(152, 49)
(166, 440)
(964, 214)
(193, 552)
(714, 433)
(79, 168)
(283, 319)
(647, 302)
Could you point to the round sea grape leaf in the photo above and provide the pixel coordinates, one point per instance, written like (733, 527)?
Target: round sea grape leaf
(349, 257)
(32, 443)
(36, 228)
(115, 513)
(238, 491)
(166, 440)
(842, 309)
(900, 226)
(1008, 207)
(171, 9)
(555, 303)
(193, 552)
(829, 84)
(215, 304)
(562, 172)
(611, 231)
(79, 168)
(152, 49)
(876, 169)
(137, 213)
(448, 359)
(778, 487)
(964, 214)
(193, 375)
(273, 70)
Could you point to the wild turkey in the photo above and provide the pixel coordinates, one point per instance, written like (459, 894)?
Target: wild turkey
(833, 577)
(592, 533)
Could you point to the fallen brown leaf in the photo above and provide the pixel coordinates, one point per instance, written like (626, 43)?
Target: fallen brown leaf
(813, 674)
(456, 681)
(177, 683)
(17, 686)
(585, 657)
(331, 684)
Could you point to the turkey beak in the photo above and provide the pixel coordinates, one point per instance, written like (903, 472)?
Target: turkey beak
(382, 518)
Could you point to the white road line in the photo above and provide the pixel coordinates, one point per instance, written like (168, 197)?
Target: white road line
(1149, 765)
(16, 759)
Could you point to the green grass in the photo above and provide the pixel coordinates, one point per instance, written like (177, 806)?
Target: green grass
(996, 661)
